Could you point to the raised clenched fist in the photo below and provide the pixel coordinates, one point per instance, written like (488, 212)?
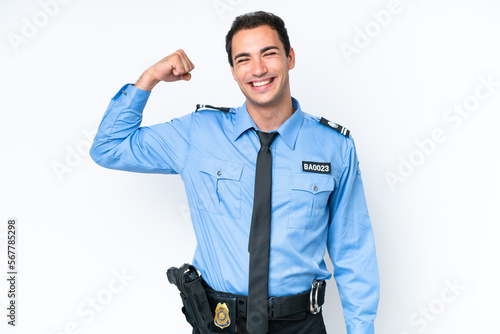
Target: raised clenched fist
(171, 68)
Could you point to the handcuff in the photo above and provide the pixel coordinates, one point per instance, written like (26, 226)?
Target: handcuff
(313, 296)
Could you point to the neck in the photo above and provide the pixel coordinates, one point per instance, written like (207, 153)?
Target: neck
(269, 118)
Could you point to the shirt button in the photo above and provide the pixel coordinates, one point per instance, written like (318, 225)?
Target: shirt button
(219, 173)
(124, 93)
(315, 188)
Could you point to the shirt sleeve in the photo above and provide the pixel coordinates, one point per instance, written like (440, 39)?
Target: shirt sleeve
(120, 142)
(351, 248)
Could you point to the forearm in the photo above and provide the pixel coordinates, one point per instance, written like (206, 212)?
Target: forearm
(122, 144)
(122, 117)
(356, 273)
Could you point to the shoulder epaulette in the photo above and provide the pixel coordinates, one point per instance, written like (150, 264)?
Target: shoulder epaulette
(337, 127)
(209, 107)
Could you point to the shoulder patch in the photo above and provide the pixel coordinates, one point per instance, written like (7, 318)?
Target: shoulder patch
(337, 127)
(209, 107)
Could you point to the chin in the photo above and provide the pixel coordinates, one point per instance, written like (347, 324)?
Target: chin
(261, 103)
(261, 100)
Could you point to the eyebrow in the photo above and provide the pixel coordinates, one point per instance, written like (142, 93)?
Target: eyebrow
(246, 54)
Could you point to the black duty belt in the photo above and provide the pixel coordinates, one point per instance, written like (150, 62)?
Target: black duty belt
(279, 308)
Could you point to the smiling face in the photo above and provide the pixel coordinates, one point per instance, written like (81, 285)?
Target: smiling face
(260, 67)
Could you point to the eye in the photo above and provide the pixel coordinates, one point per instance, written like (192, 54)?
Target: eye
(270, 53)
(241, 60)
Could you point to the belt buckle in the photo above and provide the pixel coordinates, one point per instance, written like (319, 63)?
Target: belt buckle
(313, 297)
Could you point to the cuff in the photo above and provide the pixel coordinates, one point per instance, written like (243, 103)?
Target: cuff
(360, 328)
(133, 97)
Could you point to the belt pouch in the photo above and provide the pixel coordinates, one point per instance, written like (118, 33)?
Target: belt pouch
(225, 315)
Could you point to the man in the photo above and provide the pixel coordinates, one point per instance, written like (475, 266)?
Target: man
(270, 188)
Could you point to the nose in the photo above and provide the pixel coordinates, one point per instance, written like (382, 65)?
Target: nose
(259, 67)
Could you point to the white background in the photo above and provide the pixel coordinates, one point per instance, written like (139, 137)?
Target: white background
(81, 226)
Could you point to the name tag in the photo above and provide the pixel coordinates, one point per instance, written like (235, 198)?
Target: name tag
(316, 167)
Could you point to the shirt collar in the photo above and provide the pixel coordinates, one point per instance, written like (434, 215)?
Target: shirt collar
(289, 130)
(243, 121)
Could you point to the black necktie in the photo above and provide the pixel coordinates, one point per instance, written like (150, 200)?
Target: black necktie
(259, 242)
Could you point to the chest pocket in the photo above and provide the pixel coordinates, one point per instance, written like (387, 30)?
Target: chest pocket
(220, 189)
(309, 200)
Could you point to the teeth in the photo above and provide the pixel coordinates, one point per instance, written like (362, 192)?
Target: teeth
(261, 83)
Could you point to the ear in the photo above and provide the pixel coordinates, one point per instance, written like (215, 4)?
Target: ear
(291, 59)
(232, 72)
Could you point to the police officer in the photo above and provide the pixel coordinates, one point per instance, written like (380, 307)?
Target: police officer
(270, 188)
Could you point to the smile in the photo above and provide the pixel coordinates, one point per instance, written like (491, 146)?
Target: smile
(261, 83)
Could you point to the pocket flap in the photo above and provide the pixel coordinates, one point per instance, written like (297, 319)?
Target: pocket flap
(313, 183)
(221, 169)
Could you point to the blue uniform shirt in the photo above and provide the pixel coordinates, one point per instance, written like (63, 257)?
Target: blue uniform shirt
(215, 153)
